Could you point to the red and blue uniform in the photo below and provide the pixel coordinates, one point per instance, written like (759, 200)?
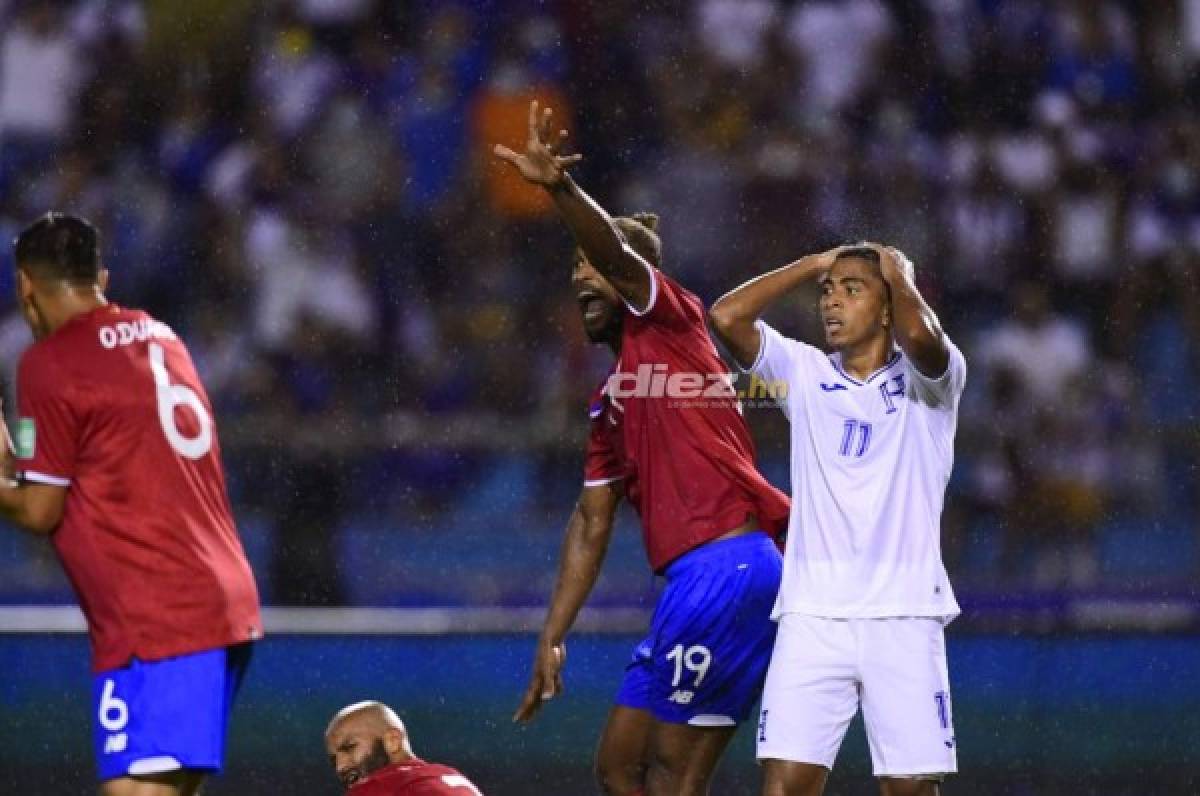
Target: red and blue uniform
(112, 411)
(667, 424)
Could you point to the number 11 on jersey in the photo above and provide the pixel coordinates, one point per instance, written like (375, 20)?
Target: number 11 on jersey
(856, 438)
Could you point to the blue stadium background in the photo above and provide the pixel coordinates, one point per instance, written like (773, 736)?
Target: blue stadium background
(302, 189)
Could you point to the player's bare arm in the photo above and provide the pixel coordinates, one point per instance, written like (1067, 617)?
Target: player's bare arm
(584, 547)
(35, 507)
(915, 326)
(733, 316)
(602, 243)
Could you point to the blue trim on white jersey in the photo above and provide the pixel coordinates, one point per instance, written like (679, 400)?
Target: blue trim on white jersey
(835, 360)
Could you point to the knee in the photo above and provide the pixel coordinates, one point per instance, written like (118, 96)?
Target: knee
(619, 777)
(671, 773)
(909, 786)
(793, 779)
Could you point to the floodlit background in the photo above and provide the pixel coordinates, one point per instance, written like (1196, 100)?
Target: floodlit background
(303, 189)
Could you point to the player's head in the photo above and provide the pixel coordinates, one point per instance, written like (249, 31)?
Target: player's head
(599, 301)
(58, 255)
(855, 300)
(364, 737)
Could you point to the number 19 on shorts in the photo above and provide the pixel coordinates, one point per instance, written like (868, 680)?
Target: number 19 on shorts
(695, 660)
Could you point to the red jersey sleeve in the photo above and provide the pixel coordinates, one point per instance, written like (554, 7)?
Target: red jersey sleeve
(670, 303)
(602, 464)
(49, 426)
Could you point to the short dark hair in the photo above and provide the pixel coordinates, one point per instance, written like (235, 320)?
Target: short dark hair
(60, 246)
(641, 233)
(860, 252)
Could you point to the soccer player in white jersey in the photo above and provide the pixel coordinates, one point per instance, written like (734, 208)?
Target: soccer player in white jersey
(865, 596)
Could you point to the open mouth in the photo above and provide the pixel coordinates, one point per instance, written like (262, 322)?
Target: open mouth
(833, 325)
(591, 303)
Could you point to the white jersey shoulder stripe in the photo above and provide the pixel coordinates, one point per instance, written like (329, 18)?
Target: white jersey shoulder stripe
(650, 271)
(45, 478)
(603, 481)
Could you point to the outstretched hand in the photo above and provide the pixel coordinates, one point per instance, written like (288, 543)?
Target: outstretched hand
(545, 682)
(541, 162)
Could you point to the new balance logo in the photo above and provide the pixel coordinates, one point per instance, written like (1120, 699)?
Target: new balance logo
(681, 697)
(833, 387)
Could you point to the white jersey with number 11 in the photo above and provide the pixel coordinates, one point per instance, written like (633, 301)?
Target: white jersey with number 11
(870, 462)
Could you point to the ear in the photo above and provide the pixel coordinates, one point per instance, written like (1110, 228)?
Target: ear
(393, 742)
(102, 280)
(24, 284)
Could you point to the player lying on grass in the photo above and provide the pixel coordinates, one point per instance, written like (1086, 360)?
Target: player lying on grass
(709, 519)
(371, 755)
(865, 595)
(116, 459)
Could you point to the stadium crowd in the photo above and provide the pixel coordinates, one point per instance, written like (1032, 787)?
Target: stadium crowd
(304, 191)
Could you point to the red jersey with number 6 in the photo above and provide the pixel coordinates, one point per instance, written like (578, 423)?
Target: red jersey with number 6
(415, 778)
(112, 410)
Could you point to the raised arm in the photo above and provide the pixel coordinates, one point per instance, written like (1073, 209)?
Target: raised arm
(915, 326)
(583, 551)
(602, 243)
(733, 316)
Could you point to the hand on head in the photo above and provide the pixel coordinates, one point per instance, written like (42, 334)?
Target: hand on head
(890, 256)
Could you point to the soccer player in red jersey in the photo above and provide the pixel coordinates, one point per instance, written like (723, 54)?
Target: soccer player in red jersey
(116, 460)
(666, 433)
(370, 752)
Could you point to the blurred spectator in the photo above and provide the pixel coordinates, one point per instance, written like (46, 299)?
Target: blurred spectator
(42, 70)
(987, 231)
(500, 116)
(1044, 465)
(1030, 338)
(735, 31)
(294, 76)
(816, 31)
(1086, 227)
(303, 270)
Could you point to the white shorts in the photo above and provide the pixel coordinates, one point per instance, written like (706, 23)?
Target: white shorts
(822, 668)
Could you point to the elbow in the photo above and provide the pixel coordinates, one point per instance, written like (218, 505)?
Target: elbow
(722, 317)
(925, 333)
(42, 525)
(595, 535)
(42, 520)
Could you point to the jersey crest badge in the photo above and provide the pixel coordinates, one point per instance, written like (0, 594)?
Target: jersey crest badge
(26, 441)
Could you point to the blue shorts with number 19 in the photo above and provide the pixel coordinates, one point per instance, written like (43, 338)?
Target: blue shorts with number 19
(705, 658)
(156, 716)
